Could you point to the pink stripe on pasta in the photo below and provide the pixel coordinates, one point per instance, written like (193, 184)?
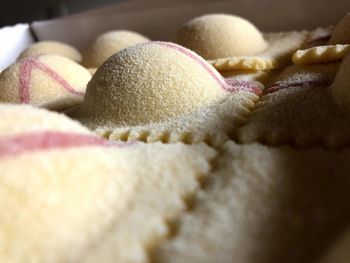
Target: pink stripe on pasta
(227, 85)
(25, 71)
(300, 84)
(198, 59)
(49, 140)
(26, 67)
(240, 85)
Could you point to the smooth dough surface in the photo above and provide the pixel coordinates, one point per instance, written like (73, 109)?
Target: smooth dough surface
(320, 54)
(244, 63)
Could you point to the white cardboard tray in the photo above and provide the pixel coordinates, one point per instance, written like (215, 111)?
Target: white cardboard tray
(160, 20)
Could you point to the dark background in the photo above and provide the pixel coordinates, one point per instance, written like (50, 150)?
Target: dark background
(17, 11)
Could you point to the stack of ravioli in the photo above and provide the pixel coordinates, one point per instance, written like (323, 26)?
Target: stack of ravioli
(228, 145)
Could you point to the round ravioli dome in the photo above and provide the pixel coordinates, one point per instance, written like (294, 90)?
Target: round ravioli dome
(108, 44)
(51, 47)
(341, 33)
(52, 197)
(341, 85)
(148, 83)
(218, 35)
(50, 81)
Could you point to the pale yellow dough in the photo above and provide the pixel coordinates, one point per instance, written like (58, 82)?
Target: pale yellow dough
(112, 209)
(166, 93)
(230, 42)
(108, 44)
(167, 178)
(281, 46)
(55, 199)
(340, 88)
(216, 36)
(320, 54)
(51, 47)
(336, 49)
(212, 124)
(50, 81)
(148, 83)
(262, 203)
(244, 63)
(341, 32)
